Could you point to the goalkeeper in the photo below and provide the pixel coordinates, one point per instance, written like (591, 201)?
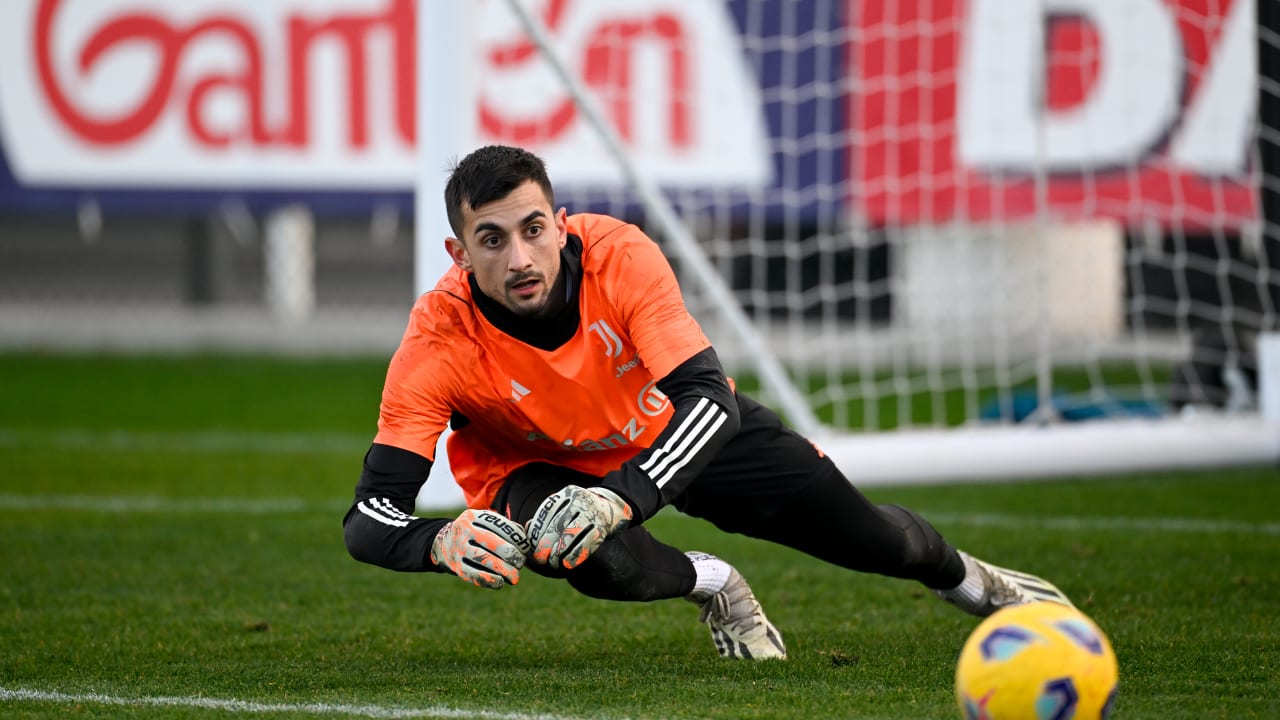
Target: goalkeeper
(584, 398)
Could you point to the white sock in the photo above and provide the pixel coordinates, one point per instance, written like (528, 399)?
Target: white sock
(972, 588)
(712, 572)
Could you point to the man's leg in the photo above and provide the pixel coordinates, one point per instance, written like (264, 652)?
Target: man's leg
(773, 484)
(635, 566)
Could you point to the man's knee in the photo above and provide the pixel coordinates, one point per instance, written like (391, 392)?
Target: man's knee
(923, 545)
(634, 567)
(607, 574)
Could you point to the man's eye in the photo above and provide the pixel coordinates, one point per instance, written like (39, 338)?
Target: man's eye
(491, 241)
(534, 230)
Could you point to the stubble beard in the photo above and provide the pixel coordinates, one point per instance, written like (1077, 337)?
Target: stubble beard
(534, 307)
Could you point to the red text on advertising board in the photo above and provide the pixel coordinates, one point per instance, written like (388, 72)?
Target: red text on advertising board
(608, 62)
(607, 56)
(171, 41)
(1169, 147)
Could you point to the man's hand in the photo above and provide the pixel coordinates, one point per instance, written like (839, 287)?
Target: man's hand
(572, 523)
(483, 548)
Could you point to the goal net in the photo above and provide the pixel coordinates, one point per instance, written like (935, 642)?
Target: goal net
(950, 239)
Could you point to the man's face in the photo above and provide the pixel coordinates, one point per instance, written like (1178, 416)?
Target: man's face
(512, 247)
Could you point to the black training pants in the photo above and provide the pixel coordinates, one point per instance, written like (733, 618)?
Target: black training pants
(769, 483)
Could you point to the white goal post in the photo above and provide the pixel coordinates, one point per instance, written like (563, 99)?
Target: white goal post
(978, 240)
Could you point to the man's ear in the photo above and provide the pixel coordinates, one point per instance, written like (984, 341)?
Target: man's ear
(458, 253)
(562, 226)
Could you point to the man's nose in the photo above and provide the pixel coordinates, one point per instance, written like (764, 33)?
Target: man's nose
(520, 257)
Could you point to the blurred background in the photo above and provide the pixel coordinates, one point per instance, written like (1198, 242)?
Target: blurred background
(164, 282)
(925, 210)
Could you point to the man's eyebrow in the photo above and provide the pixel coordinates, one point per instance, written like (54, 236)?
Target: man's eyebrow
(531, 217)
(492, 226)
(486, 227)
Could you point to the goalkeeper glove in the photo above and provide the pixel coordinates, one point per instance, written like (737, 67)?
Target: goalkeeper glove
(483, 548)
(572, 523)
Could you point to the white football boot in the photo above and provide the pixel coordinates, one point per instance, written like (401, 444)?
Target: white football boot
(738, 625)
(987, 588)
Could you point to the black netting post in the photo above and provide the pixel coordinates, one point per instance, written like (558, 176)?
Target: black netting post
(205, 262)
(1269, 143)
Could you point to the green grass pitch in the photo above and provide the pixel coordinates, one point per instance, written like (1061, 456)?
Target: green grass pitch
(171, 548)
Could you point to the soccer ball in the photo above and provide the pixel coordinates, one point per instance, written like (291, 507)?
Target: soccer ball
(1038, 661)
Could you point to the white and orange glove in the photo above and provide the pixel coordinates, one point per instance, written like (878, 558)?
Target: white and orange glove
(483, 548)
(572, 523)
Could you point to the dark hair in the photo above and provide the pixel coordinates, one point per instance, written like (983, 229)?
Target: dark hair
(491, 173)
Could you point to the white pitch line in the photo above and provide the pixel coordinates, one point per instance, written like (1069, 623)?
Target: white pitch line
(245, 706)
(206, 441)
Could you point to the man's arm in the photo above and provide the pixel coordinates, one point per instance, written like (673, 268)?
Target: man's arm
(480, 546)
(380, 528)
(704, 419)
